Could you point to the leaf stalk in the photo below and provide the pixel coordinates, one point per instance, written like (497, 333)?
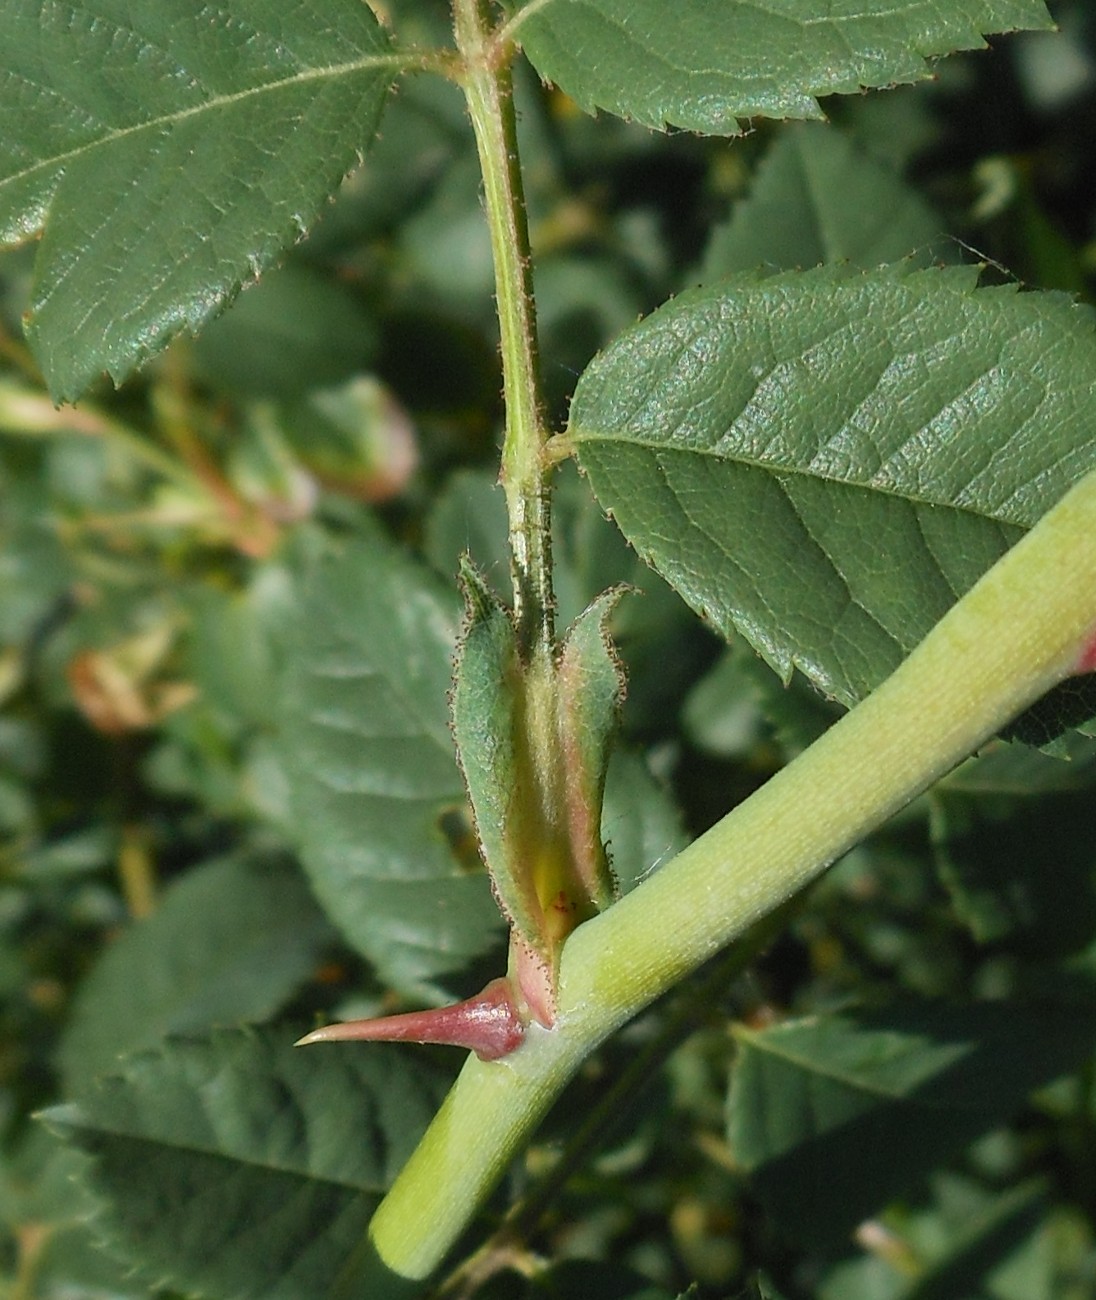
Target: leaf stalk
(488, 89)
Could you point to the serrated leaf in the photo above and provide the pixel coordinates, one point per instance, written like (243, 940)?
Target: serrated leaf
(373, 773)
(242, 1167)
(818, 199)
(703, 66)
(230, 942)
(825, 461)
(837, 1115)
(168, 152)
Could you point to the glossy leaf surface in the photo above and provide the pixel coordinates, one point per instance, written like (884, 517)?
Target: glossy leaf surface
(167, 153)
(703, 66)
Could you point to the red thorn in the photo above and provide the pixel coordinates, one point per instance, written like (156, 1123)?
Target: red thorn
(487, 1024)
(1086, 663)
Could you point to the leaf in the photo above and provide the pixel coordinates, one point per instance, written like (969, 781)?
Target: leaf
(818, 199)
(231, 941)
(168, 153)
(43, 1199)
(1020, 874)
(703, 67)
(1020, 771)
(640, 823)
(295, 331)
(374, 777)
(732, 710)
(1003, 1250)
(241, 1167)
(964, 1242)
(835, 1116)
(825, 461)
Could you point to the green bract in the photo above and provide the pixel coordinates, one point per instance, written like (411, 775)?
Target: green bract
(533, 735)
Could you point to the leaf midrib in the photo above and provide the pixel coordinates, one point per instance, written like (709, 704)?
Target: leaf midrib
(652, 444)
(398, 61)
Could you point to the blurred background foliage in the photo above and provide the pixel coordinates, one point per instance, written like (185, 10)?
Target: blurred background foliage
(154, 546)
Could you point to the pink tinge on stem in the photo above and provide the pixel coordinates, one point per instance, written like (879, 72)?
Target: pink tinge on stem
(487, 1024)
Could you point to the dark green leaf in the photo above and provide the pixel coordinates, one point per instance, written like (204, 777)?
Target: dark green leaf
(818, 199)
(374, 776)
(703, 67)
(1019, 770)
(736, 705)
(1022, 873)
(168, 153)
(245, 1167)
(295, 330)
(230, 942)
(1003, 1251)
(837, 1115)
(825, 461)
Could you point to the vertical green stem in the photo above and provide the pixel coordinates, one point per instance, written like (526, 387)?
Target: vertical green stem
(488, 90)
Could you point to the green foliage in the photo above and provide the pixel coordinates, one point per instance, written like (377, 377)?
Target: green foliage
(225, 1165)
(379, 800)
(168, 156)
(703, 71)
(827, 406)
(837, 1116)
(817, 198)
(230, 806)
(231, 941)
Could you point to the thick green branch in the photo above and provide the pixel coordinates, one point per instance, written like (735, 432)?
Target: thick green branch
(1024, 627)
(488, 90)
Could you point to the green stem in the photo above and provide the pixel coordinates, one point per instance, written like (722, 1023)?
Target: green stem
(488, 90)
(692, 1007)
(1026, 625)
